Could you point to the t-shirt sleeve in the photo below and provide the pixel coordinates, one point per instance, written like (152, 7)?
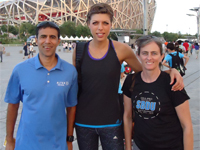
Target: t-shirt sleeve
(181, 55)
(179, 97)
(126, 86)
(167, 58)
(72, 94)
(13, 93)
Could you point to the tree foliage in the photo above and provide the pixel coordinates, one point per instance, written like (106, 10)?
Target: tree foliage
(68, 29)
(82, 31)
(4, 28)
(156, 33)
(13, 29)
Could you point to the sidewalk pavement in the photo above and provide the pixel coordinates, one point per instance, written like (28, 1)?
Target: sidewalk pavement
(191, 81)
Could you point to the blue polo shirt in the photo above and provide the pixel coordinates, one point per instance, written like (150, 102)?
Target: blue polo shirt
(45, 96)
(168, 58)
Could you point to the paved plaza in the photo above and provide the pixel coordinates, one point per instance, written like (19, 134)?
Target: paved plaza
(191, 81)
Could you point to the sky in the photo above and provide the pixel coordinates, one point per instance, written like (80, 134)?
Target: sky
(171, 16)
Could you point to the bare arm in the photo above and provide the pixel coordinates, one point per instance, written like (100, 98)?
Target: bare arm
(71, 111)
(186, 60)
(127, 121)
(125, 53)
(12, 113)
(132, 60)
(183, 113)
(165, 64)
(74, 57)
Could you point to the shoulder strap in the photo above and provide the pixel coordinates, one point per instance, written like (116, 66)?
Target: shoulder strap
(80, 51)
(133, 81)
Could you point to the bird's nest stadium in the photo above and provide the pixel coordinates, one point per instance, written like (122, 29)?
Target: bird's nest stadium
(128, 14)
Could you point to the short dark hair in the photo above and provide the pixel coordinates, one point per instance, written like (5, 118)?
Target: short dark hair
(46, 24)
(179, 42)
(170, 46)
(100, 8)
(144, 40)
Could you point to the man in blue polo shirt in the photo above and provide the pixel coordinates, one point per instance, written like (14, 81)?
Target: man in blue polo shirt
(47, 87)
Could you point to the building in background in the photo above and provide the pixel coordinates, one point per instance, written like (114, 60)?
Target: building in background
(128, 14)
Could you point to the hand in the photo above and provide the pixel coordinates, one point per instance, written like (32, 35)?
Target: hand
(10, 145)
(122, 75)
(70, 146)
(179, 85)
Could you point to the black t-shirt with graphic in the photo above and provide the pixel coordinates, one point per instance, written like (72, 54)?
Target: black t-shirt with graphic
(156, 123)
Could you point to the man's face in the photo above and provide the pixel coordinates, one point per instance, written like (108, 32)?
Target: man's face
(47, 42)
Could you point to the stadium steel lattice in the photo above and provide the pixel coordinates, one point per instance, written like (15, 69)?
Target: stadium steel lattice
(128, 14)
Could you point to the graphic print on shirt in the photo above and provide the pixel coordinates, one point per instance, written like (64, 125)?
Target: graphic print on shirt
(147, 105)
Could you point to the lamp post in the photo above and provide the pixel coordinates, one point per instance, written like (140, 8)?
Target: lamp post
(145, 21)
(196, 9)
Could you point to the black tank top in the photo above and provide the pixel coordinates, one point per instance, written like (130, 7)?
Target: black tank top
(98, 102)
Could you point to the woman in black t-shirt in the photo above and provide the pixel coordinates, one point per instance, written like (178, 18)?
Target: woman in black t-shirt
(162, 116)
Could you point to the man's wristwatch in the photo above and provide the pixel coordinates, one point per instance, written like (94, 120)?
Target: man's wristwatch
(70, 138)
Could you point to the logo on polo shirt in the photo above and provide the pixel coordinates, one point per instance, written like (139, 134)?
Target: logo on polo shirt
(63, 83)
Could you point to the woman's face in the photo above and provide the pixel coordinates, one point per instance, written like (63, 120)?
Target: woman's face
(100, 26)
(150, 56)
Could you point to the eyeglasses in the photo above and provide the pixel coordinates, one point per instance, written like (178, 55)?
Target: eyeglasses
(52, 24)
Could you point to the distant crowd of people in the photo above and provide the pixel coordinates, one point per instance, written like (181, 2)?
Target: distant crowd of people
(28, 50)
(67, 47)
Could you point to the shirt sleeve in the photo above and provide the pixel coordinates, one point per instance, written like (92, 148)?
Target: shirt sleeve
(73, 91)
(181, 55)
(13, 93)
(167, 58)
(126, 86)
(179, 97)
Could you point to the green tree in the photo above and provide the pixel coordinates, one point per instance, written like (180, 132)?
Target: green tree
(170, 36)
(68, 29)
(156, 33)
(27, 29)
(82, 31)
(12, 29)
(4, 28)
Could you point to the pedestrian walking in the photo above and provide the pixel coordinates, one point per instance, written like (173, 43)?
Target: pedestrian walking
(31, 50)
(63, 44)
(175, 59)
(2, 48)
(181, 47)
(98, 111)
(25, 48)
(47, 87)
(186, 45)
(162, 116)
(197, 50)
(70, 46)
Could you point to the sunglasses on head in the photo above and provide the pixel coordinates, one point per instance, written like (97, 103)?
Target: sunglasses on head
(52, 24)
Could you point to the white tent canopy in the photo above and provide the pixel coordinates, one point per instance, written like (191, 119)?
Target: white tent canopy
(71, 38)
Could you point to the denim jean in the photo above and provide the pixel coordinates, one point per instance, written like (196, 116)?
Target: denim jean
(111, 138)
